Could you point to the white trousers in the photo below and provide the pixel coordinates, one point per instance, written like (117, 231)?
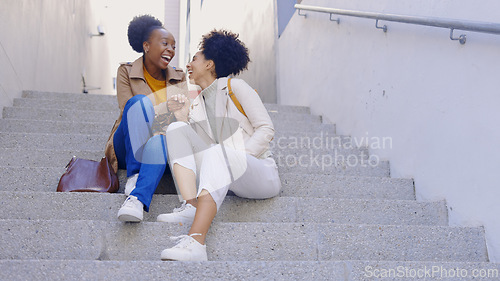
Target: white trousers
(221, 168)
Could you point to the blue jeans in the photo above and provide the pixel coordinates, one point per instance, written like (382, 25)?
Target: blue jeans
(138, 151)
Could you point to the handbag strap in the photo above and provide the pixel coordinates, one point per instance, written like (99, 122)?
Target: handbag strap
(234, 99)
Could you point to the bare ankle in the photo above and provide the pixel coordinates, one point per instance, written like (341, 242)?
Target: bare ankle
(193, 202)
(199, 238)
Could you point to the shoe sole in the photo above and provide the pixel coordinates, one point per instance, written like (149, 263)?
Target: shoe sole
(129, 218)
(183, 222)
(163, 259)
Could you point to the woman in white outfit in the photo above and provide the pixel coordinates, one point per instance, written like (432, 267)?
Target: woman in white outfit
(218, 145)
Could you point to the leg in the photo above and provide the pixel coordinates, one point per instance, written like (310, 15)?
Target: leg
(260, 180)
(205, 214)
(186, 182)
(133, 133)
(214, 181)
(130, 141)
(191, 247)
(152, 170)
(185, 152)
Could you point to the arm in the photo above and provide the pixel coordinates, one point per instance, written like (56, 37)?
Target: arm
(179, 105)
(257, 115)
(179, 102)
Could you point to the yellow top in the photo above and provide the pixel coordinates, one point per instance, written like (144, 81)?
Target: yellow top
(158, 87)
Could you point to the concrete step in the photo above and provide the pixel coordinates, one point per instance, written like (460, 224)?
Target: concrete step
(53, 141)
(103, 104)
(283, 131)
(98, 115)
(330, 186)
(245, 270)
(68, 96)
(31, 157)
(56, 127)
(106, 104)
(71, 115)
(328, 164)
(19, 178)
(39, 157)
(69, 206)
(101, 240)
(97, 142)
(272, 107)
(45, 179)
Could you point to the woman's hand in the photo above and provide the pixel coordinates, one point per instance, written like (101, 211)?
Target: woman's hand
(179, 105)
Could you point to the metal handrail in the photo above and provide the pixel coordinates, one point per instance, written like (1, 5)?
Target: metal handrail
(452, 24)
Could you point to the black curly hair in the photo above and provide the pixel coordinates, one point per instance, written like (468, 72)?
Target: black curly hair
(229, 54)
(139, 30)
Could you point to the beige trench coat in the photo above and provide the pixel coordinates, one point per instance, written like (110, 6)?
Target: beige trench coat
(130, 81)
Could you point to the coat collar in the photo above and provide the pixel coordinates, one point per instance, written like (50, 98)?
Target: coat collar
(137, 71)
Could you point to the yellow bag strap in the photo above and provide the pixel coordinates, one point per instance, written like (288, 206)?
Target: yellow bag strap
(233, 97)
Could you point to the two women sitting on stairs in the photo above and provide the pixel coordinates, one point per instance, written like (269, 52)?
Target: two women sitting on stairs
(217, 142)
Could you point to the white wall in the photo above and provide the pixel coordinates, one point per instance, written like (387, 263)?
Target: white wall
(115, 15)
(437, 99)
(172, 23)
(45, 45)
(255, 21)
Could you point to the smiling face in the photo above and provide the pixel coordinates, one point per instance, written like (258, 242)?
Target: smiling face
(159, 49)
(201, 70)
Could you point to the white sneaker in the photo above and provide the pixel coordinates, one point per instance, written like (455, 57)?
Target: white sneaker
(131, 181)
(188, 249)
(132, 210)
(184, 214)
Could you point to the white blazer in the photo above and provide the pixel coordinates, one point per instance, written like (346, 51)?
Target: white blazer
(251, 133)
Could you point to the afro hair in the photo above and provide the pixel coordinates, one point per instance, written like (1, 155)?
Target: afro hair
(139, 30)
(227, 51)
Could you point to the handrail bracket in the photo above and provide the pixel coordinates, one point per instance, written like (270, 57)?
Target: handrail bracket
(462, 38)
(304, 15)
(337, 20)
(384, 28)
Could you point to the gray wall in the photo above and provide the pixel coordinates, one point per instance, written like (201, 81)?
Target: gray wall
(436, 100)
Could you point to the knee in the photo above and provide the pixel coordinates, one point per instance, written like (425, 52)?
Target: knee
(155, 151)
(155, 143)
(138, 105)
(133, 100)
(175, 125)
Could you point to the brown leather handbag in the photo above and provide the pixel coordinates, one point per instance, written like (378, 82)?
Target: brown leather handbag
(83, 175)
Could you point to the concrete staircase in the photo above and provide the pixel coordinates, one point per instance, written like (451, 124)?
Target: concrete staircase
(332, 220)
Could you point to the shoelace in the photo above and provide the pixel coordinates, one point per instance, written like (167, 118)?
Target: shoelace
(184, 240)
(131, 199)
(181, 208)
